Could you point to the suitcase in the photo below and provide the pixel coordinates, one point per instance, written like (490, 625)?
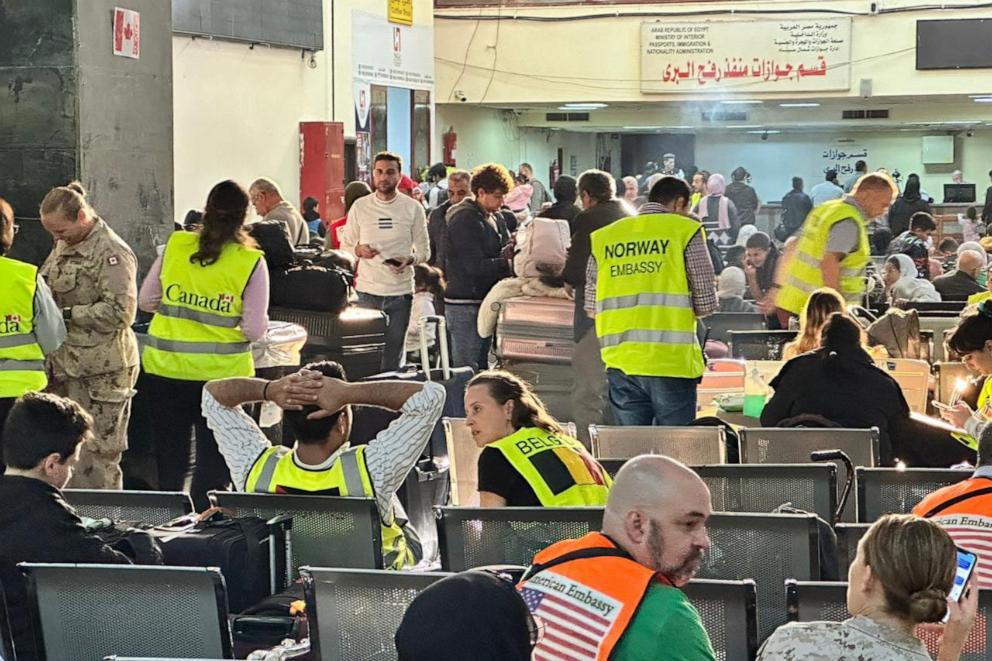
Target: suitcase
(536, 329)
(552, 383)
(356, 338)
(427, 486)
(250, 553)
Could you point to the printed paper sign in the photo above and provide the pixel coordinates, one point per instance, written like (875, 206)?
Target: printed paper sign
(127, 33)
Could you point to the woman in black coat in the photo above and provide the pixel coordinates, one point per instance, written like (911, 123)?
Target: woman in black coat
(840, 382)
(906, 205)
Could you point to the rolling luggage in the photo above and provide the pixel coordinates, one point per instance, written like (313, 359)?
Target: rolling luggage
(356, 337)
(427, 486)
(552, 383)
(536, 330)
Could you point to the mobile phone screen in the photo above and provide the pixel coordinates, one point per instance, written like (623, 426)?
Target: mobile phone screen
(966, 565)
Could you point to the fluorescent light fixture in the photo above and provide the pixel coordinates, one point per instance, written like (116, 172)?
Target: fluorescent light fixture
(764, 132)
(654, 128)
(804, 104)
(982, 99)
(960, 122)
(745, 126)
(741, 102)
(581, 106)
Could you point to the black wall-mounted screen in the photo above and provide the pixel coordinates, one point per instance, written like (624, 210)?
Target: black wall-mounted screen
(289, 23)
(954, 44)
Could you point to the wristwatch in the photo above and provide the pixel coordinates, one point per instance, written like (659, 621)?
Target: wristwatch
(67, 313)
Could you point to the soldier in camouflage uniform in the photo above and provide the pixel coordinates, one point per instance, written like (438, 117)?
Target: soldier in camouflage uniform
(92, 273)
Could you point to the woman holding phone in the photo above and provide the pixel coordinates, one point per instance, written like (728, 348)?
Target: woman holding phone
(972, 340)
(901, 577)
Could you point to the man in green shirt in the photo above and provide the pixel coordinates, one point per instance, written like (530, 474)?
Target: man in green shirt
(620, 587)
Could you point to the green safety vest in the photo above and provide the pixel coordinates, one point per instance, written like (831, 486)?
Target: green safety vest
(276, 472)
(196, 332)
(644, 317)
(558, 468)
(804, 272)
(22, 362)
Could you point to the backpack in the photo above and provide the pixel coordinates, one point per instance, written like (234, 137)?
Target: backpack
(271, 237)
(899, 332)
(541, 242)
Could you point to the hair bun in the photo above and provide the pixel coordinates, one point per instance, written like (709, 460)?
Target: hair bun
(928, 605)
(77, 187)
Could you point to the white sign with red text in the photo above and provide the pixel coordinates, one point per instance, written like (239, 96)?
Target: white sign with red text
(127, 33)
(744, 57)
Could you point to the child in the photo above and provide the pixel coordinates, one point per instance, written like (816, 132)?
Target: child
(429, 283)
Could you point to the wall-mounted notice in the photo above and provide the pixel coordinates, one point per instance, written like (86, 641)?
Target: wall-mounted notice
(843, 159)
(753, 56)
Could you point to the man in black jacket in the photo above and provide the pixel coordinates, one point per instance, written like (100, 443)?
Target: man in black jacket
(437, 227)
(41, 443)
(600, 207)
(474, 261)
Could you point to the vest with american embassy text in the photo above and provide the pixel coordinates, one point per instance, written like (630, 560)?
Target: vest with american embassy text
(644, 316)
(196, 332)
(557, 467)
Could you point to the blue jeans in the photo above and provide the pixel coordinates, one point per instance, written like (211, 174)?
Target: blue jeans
(397, 309)
(467, 348)
(651, 400)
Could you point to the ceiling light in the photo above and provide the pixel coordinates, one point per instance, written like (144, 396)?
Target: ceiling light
(741, 102)
(582, 106)
(982, 99)
(960, 122)
(764, 132)
(799, 105)
(745, 126)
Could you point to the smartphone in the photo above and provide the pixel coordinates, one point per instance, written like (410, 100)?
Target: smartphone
(393, 262)
(941, 406)
(966, 565)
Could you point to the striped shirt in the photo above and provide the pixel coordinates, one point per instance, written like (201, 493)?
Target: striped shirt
(389, 457)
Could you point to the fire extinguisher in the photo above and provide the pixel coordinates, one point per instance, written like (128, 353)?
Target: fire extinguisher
(553, 172)
(450, 144)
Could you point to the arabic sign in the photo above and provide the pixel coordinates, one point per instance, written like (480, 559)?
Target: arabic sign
(401, 11)
(843, 160)
(756, 56)
(392, 55)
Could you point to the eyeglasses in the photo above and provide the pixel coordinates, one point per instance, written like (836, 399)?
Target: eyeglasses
(17, 228)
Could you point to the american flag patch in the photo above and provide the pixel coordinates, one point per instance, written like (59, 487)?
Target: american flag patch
(576, 618)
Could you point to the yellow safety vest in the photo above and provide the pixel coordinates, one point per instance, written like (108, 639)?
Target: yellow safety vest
(644, 317)
(276, 472)
(804, 273)
(975, 299)
(22, 362)
(558, 468)
(196, 332)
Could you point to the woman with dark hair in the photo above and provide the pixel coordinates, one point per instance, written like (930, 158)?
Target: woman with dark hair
(907, 205)
(838, 381)
(527, 459)
(333, 227)
(210, 294)
(972, 340)
(484, 619)
(901, 577)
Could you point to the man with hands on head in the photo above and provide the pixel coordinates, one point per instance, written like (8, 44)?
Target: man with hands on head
(317, 404)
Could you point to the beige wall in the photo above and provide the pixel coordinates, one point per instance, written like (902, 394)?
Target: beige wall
(237, 110)
(598, 60)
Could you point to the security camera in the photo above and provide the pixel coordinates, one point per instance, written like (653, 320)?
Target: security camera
(312, 62)
(970, 134)
(460, 95)
(764, 136)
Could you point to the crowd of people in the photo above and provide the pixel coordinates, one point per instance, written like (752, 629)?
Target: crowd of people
(642, 265)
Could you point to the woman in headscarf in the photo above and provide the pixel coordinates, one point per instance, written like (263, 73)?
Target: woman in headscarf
(903, 283)
(473, 615)
(718, 214)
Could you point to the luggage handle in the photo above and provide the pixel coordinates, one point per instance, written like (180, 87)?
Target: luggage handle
(442, 340)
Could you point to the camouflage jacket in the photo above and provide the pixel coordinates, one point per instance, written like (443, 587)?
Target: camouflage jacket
(856, 639)
(97, 278)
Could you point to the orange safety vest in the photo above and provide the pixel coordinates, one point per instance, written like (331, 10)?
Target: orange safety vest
(586, 591)
(964, 510)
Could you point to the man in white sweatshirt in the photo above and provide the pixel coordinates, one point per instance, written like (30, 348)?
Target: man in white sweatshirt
(388, 233)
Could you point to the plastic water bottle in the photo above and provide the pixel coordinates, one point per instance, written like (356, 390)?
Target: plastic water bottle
(755, 393)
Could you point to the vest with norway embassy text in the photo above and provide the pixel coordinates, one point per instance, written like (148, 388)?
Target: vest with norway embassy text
(22, 362)
(644, 317)
(597, 586)
(803, 272)
(276, 472)
(196, 332)
(558, 468)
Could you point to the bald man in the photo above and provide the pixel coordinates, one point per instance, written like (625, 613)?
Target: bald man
(620, 587)
(962, 282)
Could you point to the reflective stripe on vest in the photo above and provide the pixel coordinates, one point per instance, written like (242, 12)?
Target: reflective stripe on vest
(347, 476)
(644, 316)
(611, 588)
(803, 272)
(196, 332)
(22, 362)
(557, 467)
